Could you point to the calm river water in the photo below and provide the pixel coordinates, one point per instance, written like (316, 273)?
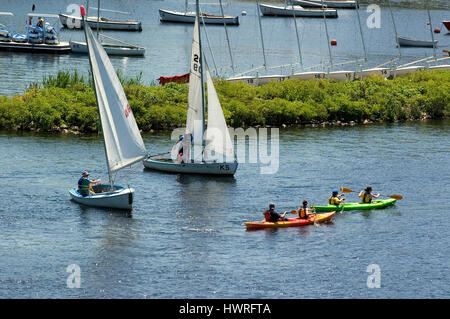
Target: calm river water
(186, 239)
(168, 45)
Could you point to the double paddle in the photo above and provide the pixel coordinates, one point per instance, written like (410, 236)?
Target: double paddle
(348, 190)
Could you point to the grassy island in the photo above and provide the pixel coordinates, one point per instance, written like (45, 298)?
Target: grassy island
(66, 102)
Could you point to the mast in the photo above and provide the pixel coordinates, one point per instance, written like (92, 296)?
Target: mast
(226, 33)
(326, 31)
(395, 30)
(361, 31)
(260, 31)
(197, 13)
(111, 182)
(98, 16)
(431, 29)
(185, 6)
(298, 40)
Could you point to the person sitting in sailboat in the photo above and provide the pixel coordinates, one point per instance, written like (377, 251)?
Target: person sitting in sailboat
(84, 184)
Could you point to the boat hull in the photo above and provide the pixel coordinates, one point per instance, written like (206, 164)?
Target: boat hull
(74, 22)
(408, 42)
(189, 17)
(120, 198)
(61, 47)
(446, 24)
(291, 222)
(191, 168)
(328, 4)
(376, 204)
(290, 11)
(111, 49)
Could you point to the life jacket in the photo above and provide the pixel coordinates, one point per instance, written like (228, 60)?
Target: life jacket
(302, 213)
(334, 200)
(267, 216)
(83, 186)
(366, 198)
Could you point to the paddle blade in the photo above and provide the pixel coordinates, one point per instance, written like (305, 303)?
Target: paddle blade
(293, 211)
(399, 197)
(346, 190)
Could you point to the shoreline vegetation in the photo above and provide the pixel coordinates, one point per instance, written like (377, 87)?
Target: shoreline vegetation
(66, 103)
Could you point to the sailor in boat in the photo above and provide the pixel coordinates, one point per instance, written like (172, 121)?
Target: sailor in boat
(40, 23)
(335, 198)
(271, 215)
(367, 196)
(84, 184)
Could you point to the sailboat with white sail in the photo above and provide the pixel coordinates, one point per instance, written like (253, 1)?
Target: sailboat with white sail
(200, 151)
(122, 141)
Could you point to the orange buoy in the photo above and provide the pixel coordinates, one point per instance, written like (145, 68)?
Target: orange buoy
(333, 42)
(437, 30)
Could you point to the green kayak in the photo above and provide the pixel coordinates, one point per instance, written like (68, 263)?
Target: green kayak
(379, 203)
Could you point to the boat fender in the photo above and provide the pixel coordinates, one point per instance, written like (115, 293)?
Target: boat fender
(130, 198)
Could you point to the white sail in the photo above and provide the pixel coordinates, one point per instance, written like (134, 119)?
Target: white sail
(218, 138)
(123, 142)
(195, 116)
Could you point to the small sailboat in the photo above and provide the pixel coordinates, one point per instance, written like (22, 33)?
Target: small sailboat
(189, 17)
(342, 4)
(209, 153)
(409, 42)
(123, 142)
(298, 11)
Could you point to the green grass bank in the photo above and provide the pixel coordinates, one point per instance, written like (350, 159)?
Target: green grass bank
(66, 102)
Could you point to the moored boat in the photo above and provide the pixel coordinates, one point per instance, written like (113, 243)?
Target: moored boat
(291, 222)
(110, 48)
(189, 17)
(75, 22)
(298, 11)
(446, 24)
(410, 42)
(376, 204)
(344, 4)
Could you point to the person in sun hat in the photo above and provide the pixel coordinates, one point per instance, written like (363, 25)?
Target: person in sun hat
(335, 198)
(84, 184)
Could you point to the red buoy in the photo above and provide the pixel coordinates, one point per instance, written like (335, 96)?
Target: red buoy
(437, 30)
(428, 23)
(333, 42)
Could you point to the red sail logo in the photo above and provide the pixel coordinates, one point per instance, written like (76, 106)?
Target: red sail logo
(127, 110)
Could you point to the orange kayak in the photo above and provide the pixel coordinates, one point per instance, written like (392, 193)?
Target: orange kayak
(291, 222)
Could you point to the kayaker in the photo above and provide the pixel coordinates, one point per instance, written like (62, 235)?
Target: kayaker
(84, 184)
(303, 211)
(335, 198)
(271, 214)
(367, 196)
